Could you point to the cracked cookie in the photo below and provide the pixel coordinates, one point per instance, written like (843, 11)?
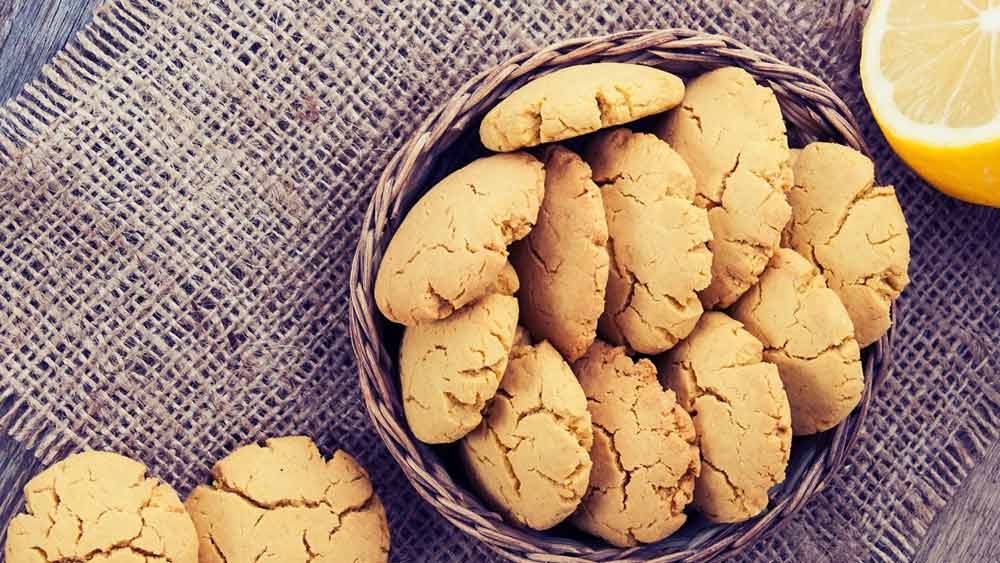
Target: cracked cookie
(563, 262)
(100, 506)
(853, 231)
(740, 413)
(284, 502)
(732, 135)
(528, 458)
(452, 244)
(807, 333)
(578, 100)
(657, 241)
(645, 454)
(450, 368)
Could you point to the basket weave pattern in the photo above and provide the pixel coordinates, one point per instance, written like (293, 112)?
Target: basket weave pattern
(812, 111)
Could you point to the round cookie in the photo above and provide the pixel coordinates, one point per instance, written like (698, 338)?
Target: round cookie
(853, 231)
(807, 333)
(284, 502)
(452, 244)
(450, 368)
(740, 413)
(578, 100)
(645, 453)
(100, 506)
(657, 241)
(731, 133)
(528, 458)
(563, 262)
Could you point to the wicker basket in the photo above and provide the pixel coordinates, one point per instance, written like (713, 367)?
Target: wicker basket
(448, 138)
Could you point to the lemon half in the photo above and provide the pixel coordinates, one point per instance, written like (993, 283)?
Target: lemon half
(931, 73)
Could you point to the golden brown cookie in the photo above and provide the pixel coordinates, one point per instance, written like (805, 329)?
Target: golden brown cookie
(740, 413)
(659, 259)
(100, 506)
(731, 133)
(853, 231)
(284, 502)
(645, 454)
(450, 368)
(452, 245)
(528, 458)
(563, 262)
(578, 100)
(807, 333)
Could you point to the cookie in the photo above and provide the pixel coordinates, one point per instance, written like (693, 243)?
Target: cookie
(808, 334)
(528, 459)
(740, 413)
(657, 241)
(853, 231)
(450, 368)
(452, 245)
(563, 262)
(100, 506)
(284, 502)
(731, 133)
(578, 100)
(645, 454)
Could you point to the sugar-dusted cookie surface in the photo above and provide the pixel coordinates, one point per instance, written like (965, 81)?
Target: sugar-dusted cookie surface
(808, 334)
(578, 100)
(100, 506)
(284, 502)
(740, 413)
(563, 262)
(853, 231)
(731, 133)
(452, 244)
(645, 454)
(529, 457)
(657, 241)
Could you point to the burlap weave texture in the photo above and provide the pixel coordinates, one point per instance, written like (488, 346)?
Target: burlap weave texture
(180, 199)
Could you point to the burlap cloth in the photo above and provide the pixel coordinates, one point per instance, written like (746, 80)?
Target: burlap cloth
(180, 199)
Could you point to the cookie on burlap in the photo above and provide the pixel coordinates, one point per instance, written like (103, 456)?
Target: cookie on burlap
(740, 413)
(732, 135)
(578, 100)
(645, 454)
(808, 334)
(563, 262)
(853, 231)
(528, 459)
(450, 368)
(284, 502)
(452, 244)
(100, 507)
(657, 241)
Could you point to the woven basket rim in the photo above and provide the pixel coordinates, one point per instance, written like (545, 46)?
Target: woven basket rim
(812, 111)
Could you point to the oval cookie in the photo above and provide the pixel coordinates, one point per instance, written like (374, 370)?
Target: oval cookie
(563, 262)
(578, 100)
(100, 506)
(452, 245)
(656, 240)
(284, 502)
(853, 231)
(529, 457)
(645, 454)
(740, 413)
(731, 133)
(807, 333)
(450, 368)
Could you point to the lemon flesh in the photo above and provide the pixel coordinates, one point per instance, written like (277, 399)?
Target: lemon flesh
(931, 73)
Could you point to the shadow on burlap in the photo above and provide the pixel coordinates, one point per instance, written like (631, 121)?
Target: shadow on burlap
(181, 195)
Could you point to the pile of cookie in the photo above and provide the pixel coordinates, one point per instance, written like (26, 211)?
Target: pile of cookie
(616, 332)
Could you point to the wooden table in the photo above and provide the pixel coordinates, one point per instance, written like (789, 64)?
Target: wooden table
(31, 31)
